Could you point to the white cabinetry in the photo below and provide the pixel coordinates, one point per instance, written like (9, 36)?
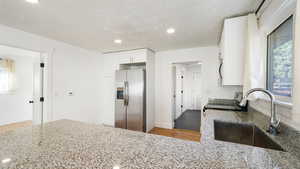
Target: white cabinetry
(233, 50)
(136, 56)
(112, 62)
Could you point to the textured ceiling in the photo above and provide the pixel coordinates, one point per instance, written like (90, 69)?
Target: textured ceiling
(94, 24)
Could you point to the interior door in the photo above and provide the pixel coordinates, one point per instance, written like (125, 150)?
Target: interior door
(173, 95)
(196, 90)
(37, 91)
(179, 90)
(120, 106)
(135, 109)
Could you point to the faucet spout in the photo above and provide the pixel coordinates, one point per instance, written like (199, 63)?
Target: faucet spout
(274, 121)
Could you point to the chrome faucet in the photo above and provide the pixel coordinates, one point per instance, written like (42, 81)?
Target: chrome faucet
(274, 121)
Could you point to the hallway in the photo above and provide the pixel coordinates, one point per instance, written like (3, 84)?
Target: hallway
(189, 120)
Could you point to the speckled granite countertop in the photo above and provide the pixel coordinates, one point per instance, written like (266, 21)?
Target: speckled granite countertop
(68, 144)
(254, 157)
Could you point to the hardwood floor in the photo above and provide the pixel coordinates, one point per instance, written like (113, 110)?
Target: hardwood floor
(13, 126)
(177, 133)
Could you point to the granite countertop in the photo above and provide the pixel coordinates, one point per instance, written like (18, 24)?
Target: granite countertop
(255, 157)
(70, 144)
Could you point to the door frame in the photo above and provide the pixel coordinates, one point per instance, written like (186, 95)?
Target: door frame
(172, 115)
(39, 89)
(46, 80)
(173, 95)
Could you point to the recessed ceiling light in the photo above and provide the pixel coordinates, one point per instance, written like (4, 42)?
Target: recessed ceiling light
(33, 1)
(118, 41)
(6, 160)
(116, 167)
(170, 30)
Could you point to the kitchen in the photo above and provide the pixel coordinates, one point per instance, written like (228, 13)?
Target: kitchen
(82, 110)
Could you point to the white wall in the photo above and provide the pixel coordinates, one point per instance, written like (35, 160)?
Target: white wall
(107, 89)
(70, 69)
(15, 106)
(163, 79)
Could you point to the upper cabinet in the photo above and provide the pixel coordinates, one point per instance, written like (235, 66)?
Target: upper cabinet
(135, 56)
(233, 50)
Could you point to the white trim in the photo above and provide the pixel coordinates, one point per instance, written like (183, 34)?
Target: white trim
(277, 102)
(164, 125)
(274, 15)
(172, 113)
(277, 12)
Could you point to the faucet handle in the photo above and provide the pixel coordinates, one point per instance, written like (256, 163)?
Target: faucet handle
(273, 130)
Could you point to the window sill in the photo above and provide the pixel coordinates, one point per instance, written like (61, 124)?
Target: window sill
(278, 102)
(8, 92)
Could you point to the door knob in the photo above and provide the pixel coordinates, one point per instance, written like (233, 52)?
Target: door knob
(31, 101)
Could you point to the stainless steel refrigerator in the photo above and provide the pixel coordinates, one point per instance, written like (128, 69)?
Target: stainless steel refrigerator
(130, 103)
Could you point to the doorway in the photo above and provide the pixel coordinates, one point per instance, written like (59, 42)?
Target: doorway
(187, 92)
(21, 88)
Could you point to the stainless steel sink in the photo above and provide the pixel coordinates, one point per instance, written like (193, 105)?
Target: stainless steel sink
(247, 134)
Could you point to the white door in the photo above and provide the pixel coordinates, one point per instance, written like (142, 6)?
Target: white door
(37, 91)
(180, 107)
(41, 102)
(192, 97)
(196, 90)
(173, 95)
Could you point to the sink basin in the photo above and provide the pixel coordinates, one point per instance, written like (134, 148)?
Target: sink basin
(247, 134)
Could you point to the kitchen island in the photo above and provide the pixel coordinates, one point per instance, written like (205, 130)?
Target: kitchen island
(71, 144)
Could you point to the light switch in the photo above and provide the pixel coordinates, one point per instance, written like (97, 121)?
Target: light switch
(70, 93)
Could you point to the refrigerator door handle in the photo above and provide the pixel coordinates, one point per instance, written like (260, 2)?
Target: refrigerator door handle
(125, 93)
(126, 97)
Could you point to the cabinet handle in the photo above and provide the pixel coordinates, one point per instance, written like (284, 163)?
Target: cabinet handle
(220, 70)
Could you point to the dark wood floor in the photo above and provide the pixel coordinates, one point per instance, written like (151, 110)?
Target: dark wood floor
(189, 120)
(177, 133)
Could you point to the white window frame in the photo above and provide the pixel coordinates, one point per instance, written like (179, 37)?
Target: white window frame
(280, 98)
(272, 16)
(11, 89)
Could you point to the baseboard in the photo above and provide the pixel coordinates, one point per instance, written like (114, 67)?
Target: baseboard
(164, 125)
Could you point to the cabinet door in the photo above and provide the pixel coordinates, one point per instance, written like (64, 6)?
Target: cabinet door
(125, 59)
(139, 58)
(234, 50)
(132, 57)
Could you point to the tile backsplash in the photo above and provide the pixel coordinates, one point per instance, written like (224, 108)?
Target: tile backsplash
(284, 112)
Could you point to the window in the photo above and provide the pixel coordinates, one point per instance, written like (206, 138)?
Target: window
(280, 59)
(6, 75)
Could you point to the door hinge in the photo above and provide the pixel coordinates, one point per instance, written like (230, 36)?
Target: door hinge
(42, 65)
(42, 99)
